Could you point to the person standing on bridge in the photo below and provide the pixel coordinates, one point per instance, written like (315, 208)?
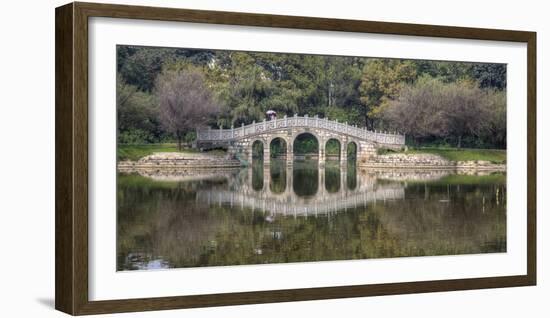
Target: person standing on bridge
(271, 114)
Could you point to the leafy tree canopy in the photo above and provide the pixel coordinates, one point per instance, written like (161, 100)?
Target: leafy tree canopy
(357, 90)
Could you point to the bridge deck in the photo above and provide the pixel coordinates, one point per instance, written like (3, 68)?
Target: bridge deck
(223, 135)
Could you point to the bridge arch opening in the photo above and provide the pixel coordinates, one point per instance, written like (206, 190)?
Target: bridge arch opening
(305, 146)
(258, 150)
(332, 149)
(352, 150)
(277, 147)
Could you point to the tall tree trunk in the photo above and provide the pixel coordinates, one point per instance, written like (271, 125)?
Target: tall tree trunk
(369, 123)
(178, 135)
(459, 144)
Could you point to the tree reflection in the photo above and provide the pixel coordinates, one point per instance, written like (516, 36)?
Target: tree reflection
(278, 176)
(306, 178)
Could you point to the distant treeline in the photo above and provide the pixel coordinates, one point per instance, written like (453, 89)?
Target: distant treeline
(163, 94)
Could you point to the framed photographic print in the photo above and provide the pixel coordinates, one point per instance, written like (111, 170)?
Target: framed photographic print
(219, 158)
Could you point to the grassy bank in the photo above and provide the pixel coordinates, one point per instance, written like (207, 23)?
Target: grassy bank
(456, 154)
(135, 152)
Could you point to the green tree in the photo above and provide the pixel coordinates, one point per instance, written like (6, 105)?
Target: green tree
(465, 110)
(141, 68)
(445, 71)
(381, 82)
(137, 115)
(490, 75)
(495, 135)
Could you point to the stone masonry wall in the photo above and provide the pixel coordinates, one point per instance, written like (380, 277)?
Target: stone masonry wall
(179, 160)
(426, 161)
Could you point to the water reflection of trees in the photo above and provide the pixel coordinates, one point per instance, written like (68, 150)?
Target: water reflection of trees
(257, 176)
(163, 220)
(154, 218)
(277, 171)
(441, 219)
(332, 177)
(351, 172)
(305, 178)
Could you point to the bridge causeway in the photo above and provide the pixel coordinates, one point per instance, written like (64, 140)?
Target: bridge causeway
(241, 139)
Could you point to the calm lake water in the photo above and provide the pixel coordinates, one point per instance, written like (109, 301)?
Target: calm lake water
(302, 212)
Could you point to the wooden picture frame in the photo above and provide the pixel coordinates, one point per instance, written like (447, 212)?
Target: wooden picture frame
(71, 90)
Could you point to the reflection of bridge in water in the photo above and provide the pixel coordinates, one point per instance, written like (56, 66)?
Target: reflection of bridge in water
(302, 190)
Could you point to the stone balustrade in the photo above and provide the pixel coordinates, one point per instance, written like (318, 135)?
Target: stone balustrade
(305, 121)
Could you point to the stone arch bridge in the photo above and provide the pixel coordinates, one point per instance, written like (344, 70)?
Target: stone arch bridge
(240, 140)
